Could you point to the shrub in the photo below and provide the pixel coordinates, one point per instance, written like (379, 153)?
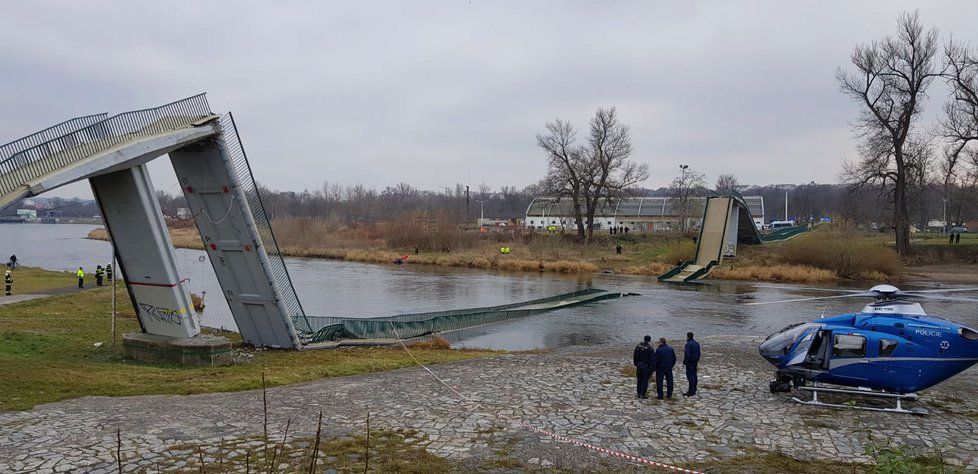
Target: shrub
(843, 253)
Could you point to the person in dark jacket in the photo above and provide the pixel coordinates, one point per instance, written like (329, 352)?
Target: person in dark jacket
(644, 360)
(691, 358)
(665, 360)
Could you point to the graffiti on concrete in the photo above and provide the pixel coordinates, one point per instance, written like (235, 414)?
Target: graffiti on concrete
(164, 315)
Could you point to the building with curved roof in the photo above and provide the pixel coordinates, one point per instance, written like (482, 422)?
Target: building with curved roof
(641, 214)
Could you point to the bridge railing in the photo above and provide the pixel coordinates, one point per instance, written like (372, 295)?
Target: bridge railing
(50, 133)
(56, 152)
(326, 328)
(276, 261)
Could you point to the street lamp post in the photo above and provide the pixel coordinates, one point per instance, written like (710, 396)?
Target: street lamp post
(682, 196)
(482, 209)
(944, 223)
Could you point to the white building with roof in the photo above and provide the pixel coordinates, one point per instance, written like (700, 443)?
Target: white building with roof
(640, 214)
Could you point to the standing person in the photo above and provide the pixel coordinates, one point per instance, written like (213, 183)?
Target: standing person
(108, 271)
(957, 238)
(81, 277)
(665, 360)
(950, 238)
(13, 262)
(8, 283)
(691, 358)
(99, 275)
(644, 360)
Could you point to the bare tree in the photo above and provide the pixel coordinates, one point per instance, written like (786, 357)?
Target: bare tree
(595, 174)
(890, 81)
(683, 190)
(726, 184)
(959, 126)
(568, 172)
(611, 175)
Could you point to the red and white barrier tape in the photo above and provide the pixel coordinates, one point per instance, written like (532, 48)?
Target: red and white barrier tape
(555, 436)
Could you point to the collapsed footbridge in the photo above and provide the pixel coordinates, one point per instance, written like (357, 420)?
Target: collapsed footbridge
(727, 222)
(213, 172)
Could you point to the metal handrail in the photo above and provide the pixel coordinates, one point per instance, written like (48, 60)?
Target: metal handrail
(61, 151)
(9, 149)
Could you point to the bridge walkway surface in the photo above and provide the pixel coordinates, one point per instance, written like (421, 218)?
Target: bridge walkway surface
(212, 169)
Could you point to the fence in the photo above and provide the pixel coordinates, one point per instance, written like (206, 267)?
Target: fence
(50, 133)
(56, 152)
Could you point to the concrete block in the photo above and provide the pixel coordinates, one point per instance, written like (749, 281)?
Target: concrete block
(202, 349)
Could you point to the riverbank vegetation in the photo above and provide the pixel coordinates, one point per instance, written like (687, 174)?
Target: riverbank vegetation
(825, 254)
(60, 347)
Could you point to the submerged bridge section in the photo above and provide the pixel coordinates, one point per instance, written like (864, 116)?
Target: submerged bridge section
(210, 163)
(727, 222)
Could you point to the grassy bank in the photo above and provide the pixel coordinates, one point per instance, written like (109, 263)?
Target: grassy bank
(47, 353)
(34, 280)
(829, 253)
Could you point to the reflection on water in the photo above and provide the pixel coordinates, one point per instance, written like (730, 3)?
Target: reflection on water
(336, 288)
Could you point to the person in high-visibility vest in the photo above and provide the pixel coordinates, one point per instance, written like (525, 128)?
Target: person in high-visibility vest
(81, 277)
(99, 274)
(8, 282)
(108, 271)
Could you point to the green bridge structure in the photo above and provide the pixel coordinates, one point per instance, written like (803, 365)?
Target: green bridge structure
(727, 223)
(212, 169)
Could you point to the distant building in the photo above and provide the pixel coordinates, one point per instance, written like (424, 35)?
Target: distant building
(28, 214)
(184, 213)
(640, 214)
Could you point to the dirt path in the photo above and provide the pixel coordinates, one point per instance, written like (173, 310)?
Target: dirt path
(957, 273)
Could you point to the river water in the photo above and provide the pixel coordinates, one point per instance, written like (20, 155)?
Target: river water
(348, 289)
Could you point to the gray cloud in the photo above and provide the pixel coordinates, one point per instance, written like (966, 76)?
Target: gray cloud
(437, 93)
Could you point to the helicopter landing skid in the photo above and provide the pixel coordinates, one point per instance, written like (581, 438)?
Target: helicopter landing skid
(899, 398)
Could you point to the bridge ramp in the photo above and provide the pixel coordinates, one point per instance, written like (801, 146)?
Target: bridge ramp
(726, 222)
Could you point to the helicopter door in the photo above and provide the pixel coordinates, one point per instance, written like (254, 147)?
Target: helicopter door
(817, 358)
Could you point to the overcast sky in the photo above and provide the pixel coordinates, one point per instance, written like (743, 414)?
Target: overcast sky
(434, 93)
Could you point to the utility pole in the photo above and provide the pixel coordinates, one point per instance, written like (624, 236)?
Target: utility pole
(467, 214)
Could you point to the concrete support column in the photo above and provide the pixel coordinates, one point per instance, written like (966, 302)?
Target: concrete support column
(146, 257)
(233, 244)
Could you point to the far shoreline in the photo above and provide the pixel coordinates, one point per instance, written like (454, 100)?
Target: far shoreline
(958, 273)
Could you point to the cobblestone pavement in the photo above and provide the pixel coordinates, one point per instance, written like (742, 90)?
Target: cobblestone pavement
(580, 393)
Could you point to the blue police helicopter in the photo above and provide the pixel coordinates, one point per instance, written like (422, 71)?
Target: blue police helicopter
(890, 349)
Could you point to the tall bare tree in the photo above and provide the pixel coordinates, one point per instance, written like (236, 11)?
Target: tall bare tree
(684, 190)
(594, 174)
(726, 183)
(890, 80)
(613, 176)
(959, 126)
(567, 168)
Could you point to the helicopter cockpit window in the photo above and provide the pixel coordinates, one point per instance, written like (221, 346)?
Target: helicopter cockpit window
(887, 346)
(849, 345)
(969, 334)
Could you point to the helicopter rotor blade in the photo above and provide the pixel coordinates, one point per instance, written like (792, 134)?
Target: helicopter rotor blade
(943, 290)
(814, 298)
(808, 288)
(948, 298)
